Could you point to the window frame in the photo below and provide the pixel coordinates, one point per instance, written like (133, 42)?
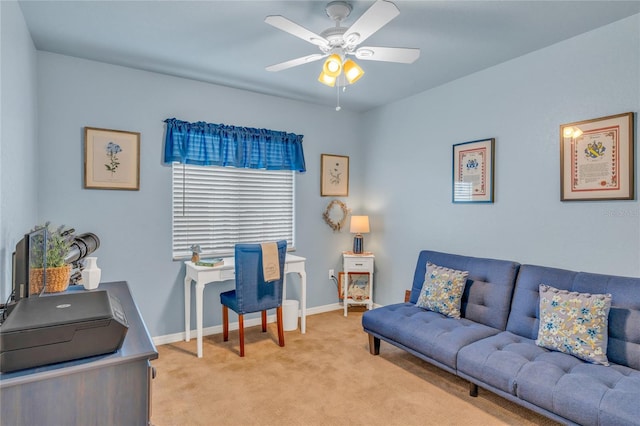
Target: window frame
(229, 221)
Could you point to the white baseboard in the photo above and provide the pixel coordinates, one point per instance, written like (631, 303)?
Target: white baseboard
(217, 329)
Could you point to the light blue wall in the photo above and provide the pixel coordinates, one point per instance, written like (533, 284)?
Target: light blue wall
(18, 125)
(521, 104)
(400, 165)
(135, 226)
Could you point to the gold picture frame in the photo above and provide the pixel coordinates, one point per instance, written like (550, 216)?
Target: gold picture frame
(111, 159)
(597, 159)
(334, 175)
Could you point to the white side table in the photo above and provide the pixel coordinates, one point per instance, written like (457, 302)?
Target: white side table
(352, 262)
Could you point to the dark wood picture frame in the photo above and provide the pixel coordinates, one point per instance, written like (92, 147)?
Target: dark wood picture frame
(473, 171)
(334, 175)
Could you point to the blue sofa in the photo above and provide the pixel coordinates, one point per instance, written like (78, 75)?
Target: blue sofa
(493, 344)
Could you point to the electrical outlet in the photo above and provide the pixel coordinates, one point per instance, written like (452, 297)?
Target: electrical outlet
(331, 274)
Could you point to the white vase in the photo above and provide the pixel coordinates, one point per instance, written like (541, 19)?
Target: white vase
(91, 273)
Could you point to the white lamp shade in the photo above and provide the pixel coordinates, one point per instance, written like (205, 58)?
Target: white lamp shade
(359, 225)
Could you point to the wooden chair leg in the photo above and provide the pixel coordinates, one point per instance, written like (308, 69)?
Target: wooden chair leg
(225, 323)
(264, 321)
(241, 330)
(280, 325)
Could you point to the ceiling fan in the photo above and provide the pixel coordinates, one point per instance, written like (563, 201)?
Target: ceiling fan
(338, 42)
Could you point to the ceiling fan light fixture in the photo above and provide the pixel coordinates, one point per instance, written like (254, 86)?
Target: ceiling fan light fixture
(332, 66)
(352, 71)
(327, 79)
(338, 43)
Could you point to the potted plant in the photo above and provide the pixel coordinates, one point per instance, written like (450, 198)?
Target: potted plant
(57, 271)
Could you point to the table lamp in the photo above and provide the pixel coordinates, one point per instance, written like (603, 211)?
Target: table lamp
(359, 226)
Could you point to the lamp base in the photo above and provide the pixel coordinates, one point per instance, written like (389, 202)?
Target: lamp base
(358, 244)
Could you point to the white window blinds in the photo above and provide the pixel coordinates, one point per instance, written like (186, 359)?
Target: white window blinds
(217, 207)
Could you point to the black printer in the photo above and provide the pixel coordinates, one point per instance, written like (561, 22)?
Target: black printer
(55, 328)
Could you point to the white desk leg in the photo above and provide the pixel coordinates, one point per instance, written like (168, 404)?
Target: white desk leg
(284, 287)
(371, 291)
(345, 291)
(199, 292)
(187, 308)
(303, 317)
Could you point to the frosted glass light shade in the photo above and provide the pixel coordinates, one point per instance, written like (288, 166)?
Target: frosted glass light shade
(333, 65)
(352, 71)
(326, 79)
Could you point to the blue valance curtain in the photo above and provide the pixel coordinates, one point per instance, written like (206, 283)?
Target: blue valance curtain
(207, 144)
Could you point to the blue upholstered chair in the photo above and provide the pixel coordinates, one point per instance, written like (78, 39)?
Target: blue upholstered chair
(252, 293)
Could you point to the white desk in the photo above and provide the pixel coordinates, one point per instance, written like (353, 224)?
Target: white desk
(203, 275)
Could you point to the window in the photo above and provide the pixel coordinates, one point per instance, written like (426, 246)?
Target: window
(217, 207)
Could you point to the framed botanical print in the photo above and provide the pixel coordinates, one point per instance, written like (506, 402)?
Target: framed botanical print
(473, 170)
(111, 159)
(596, 159)
(334, 175)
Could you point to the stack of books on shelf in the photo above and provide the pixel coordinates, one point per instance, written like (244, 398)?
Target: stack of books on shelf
(211, 262)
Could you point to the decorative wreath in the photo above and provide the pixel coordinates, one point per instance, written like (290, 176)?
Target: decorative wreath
(336, 226)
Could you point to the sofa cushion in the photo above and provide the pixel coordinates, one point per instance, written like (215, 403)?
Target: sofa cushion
(442, 290)
(574, 323)
(523, 318)
(487, 295)
(623, 346)
(426, 332)
(588, 394)
(496, 360)
(619, 405)
(560, 383)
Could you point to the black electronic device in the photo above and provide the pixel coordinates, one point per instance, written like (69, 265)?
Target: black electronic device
(32, 249)
(33, 245)
(63, 327)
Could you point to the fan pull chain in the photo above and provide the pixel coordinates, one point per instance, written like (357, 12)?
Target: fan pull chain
(338, 107)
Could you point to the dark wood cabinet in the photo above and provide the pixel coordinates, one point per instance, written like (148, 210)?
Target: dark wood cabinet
(111, 389)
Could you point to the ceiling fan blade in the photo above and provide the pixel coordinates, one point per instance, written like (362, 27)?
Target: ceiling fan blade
(403, 55)
(376, 17)
(288, 26)
(295, 62)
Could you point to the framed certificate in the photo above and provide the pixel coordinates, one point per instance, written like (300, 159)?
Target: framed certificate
(473, 170)
(596, 159)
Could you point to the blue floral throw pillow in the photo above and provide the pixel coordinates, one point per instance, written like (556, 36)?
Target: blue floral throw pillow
(442, 290)
(574, 323)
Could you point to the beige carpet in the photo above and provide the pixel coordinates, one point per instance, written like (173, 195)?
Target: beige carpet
(324, 377)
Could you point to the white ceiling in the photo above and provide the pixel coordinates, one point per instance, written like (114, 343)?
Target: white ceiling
(228, 42)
